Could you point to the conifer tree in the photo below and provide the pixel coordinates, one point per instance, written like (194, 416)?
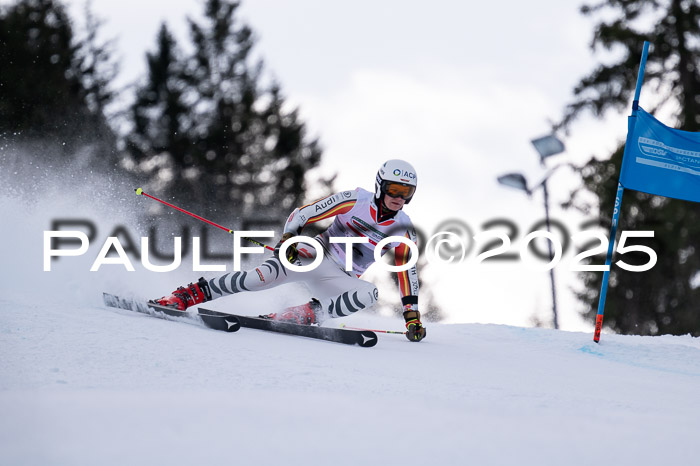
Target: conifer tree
(665, 299)
(238, 147)
(160, 117)
(54, 86)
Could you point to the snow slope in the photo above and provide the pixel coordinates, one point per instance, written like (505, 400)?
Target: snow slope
(90, 385)
(81, 384)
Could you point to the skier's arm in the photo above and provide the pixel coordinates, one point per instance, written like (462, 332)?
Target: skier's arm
(408, 287)
(408, 279)
(321, 209)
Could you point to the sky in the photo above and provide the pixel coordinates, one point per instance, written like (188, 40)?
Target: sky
(456, 88)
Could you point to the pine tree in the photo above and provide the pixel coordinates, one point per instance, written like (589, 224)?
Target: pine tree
(53, 86)
(238, 148)
(160, 117)
(254, 152)
(665, 299)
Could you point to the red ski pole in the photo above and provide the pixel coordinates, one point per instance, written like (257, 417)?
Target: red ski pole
(393, 332)
(139, 192)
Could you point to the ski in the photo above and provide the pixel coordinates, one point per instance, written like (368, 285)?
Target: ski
(226, 322)
(143, 307)
(221, 321)
(163, 312)
(231, 322)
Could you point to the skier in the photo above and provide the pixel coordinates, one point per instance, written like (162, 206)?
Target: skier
(338, 293)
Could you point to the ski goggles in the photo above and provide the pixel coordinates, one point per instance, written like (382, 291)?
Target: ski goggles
(393, 189)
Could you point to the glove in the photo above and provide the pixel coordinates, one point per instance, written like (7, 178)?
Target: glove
(414, 329)
(292, 253)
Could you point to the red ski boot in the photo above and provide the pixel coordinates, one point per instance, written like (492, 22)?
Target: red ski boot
(184, 297)
(306, 314)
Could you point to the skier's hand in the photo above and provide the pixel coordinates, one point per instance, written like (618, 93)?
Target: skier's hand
(414, 328)
(292, 252)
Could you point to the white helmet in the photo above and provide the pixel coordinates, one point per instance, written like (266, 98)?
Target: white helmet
(396, 176)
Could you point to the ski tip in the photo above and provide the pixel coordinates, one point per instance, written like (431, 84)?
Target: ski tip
(139, 191)
(227, 323)
(232, 324)
(367, 339)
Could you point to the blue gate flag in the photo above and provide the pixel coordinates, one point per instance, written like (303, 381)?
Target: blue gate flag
(661, 160)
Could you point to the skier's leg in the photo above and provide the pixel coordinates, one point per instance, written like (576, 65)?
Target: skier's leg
(335, 294)
(361, 295)
(338, 293)
(269, 274)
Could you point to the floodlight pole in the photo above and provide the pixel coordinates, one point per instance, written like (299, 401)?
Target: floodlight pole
(529, 191)
(555, 314)
(554, 146)
(545, 191)
(546, 147)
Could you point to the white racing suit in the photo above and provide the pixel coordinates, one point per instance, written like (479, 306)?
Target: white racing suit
(340, 293)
